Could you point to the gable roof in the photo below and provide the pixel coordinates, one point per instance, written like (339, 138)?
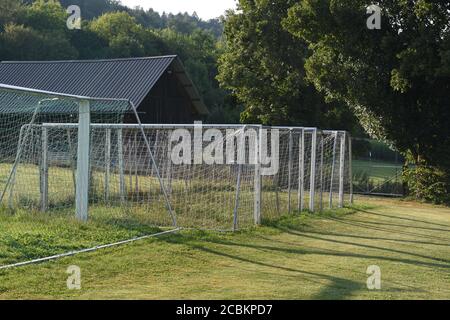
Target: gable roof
(130, 78)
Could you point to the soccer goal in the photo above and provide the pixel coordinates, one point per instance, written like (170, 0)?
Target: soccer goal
(74, 176)
(50, 203)
(314, 172)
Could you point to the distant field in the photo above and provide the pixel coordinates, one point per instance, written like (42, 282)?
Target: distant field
(310, 256)
(378, 171)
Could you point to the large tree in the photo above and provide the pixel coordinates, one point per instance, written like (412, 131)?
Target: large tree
(123, 35)
(396, 79)
(263, 66)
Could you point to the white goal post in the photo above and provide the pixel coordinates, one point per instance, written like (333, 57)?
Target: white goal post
(65, 158)
(79, 106)
(118, 164)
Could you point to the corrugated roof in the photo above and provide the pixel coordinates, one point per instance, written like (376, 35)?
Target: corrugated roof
(130, 78)
(16, 100)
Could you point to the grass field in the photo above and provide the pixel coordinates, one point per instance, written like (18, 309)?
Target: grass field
(27, 233)
(378, 171)
(305, 257)
(372, 177)
(201, 201)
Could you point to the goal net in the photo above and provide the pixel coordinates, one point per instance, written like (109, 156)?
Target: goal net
(314, 172)
(74, 175)
(50, 195)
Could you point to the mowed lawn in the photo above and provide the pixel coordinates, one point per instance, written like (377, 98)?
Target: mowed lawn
(378, 171)
(308, 257)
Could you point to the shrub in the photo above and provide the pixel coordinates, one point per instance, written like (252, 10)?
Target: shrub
(428, 183)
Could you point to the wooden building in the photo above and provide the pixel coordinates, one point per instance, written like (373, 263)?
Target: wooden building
(159, 87)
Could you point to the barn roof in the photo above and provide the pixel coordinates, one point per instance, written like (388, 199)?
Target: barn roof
(18, 100)
(130, 78)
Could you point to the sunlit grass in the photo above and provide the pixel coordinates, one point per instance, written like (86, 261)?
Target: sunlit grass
(27, 233)
(307, 256)
(377, 171)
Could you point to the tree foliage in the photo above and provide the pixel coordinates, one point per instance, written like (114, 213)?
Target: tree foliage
(396, 79)
(25, 43)
(36, 30)
(8, 11)
(181, 22)
(263, 65)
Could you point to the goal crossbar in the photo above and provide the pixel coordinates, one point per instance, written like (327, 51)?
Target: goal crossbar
(84, 125)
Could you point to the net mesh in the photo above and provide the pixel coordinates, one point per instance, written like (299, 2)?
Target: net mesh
(217, 180)
(307, 180)
(39, 172)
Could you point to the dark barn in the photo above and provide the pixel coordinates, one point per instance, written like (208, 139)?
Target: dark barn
(159, 87)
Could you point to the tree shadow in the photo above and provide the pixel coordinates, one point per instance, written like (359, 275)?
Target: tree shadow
(329, 252)
(345, 287)
(337, 288)
(334, 234)
(332, 287)
(368, 226)
(400, 225)
(304, 235)
(403, 218)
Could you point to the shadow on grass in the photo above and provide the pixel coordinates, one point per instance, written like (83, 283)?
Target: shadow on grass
(301, 226)
(311, 250)
(334, 234)
(369, 226)
(400, 225)
(335, 288)
(345, 286)
(407, 219)
(30, 235)
(304, 235)
(294, 226)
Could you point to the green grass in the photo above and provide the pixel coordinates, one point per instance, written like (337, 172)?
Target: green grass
(26, 235)
(299, 257)
(377, 171)
(206, 203)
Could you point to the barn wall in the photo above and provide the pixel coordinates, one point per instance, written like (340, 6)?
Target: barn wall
(167, 103)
